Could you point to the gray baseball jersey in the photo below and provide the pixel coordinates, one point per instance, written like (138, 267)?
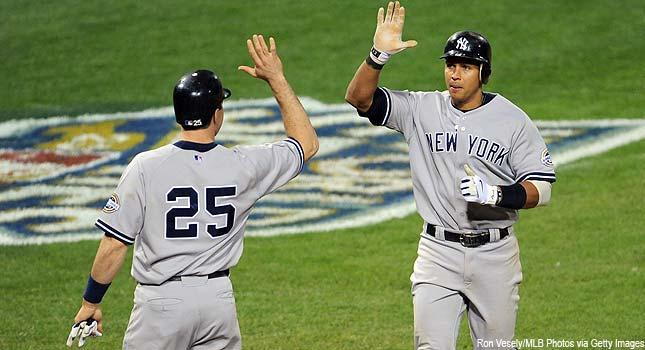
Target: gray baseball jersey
(501, 144)
(497, 140)
(184, 206)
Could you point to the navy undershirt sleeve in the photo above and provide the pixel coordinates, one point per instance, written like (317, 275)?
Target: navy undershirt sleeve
(378, 109)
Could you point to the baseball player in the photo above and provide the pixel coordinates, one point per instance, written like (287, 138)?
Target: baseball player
(184, 206)
(475, 159)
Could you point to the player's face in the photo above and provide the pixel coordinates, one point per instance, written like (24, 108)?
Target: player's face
(462, 82)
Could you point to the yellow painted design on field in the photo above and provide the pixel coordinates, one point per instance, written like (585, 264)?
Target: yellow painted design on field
(314, 166)
(92, 137)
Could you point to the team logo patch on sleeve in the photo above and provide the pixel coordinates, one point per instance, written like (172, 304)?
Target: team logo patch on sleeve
(112, 204)
(546, 158)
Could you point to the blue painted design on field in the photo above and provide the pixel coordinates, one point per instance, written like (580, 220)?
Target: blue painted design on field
(330, 191)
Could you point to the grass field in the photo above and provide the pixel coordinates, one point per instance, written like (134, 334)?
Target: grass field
(582, 256)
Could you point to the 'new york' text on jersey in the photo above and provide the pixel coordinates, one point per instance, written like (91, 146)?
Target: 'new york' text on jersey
(497, 140)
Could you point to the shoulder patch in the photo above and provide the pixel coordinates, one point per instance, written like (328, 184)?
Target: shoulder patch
(112, 204)
(546, 158)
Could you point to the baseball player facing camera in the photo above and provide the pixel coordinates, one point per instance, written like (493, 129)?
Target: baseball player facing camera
(184, 206)
(475, 159)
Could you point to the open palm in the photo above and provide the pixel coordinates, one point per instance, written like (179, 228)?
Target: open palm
(389, 28)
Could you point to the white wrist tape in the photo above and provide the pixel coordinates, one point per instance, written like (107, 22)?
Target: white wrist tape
(380, 57)
(544, 191)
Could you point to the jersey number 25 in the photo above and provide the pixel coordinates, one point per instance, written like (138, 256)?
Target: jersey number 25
(191, 210)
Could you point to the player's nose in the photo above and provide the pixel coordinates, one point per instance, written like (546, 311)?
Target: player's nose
(455, 73)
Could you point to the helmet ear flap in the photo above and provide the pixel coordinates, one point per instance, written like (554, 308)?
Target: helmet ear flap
(484, 73)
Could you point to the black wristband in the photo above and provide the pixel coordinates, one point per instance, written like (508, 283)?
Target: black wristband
(513, 196)
(370, 62)
(95, 291)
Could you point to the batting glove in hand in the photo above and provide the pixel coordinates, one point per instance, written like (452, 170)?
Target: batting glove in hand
(475, 190)
(82, 330)
(389, 28)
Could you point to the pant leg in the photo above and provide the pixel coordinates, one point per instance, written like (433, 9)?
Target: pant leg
(495, 273)
(436, 293)
(219, 328)
(437, 315)
(160, 319)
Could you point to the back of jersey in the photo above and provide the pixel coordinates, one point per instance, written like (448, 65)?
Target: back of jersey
(185, 206)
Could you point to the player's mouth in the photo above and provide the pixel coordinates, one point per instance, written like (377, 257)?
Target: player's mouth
(455, 89)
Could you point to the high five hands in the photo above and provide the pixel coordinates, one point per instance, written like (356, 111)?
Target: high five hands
(267, 62)
(389, 28)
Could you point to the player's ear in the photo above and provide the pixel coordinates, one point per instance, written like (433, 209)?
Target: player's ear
(218, 118)
(218, 115)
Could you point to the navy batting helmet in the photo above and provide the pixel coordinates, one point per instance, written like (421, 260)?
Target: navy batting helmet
(196, 97)
(472, 46)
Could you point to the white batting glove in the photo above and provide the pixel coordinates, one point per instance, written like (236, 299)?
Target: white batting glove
(389, 28)
(83, 329)
(475, 190)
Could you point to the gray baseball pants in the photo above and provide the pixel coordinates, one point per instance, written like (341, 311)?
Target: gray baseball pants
(449, 279)
(195, 313)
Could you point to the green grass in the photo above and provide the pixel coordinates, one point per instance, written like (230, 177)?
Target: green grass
(349, 289)
(582, 260)
(556, 59)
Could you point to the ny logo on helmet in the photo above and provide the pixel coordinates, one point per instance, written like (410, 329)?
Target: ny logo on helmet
(462, 44)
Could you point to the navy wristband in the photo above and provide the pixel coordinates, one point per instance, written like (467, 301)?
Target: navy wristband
(95, 291)
(513, 196)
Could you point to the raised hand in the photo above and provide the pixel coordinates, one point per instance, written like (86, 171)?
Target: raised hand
(389, 28)
(267, 62)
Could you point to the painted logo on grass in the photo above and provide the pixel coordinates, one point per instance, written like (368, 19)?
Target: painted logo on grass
(57, 173)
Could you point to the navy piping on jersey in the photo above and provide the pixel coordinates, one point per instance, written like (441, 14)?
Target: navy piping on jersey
(301, 152)
(382, 96)
(194, 146)
(548, 177)
(487, 98)
(114, 233)
(388, 110)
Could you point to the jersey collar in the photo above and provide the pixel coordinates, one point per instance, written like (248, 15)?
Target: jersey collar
(194, 146)
(487, 98)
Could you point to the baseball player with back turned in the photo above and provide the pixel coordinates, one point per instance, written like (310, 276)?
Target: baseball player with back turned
(184, 206)
(476, 159)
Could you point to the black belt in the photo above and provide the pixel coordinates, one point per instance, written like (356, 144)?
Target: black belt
(468, 240)
(216, 274)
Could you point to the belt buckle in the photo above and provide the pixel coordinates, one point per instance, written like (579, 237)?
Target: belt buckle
(469, 239)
